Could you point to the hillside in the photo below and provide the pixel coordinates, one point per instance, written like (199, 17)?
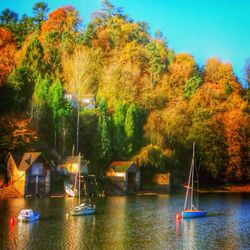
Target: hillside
(150, 102)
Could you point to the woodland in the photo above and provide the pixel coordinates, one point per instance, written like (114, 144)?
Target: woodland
(151, 103)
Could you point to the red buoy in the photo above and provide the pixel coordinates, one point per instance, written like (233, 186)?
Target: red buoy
(12, 221)
(178, 216)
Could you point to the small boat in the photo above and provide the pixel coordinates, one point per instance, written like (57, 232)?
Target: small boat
(69, 190)
(28, 215)
(84, 208)
(190, 210)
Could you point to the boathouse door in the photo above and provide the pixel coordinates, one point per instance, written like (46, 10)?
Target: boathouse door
(131, 182)
(36, 182)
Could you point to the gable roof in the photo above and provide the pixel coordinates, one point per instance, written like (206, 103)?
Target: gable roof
(70, 159)
(28, 159)
(70, 163)
(17, 157)
(120, 166)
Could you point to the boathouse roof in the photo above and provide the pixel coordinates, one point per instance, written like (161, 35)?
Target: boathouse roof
(29, 158)
(120, 166)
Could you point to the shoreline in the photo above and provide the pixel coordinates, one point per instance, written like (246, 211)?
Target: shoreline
(226, 189)
(10, 194)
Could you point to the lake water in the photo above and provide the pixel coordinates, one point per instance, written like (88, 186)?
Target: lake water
(133, 222)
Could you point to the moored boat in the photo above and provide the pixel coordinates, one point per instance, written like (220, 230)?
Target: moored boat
(190, 209)
(193, 213)
(84, 208)
(28, 215)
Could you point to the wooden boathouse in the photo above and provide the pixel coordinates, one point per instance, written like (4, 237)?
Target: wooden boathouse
(124, 175)
(32, 175)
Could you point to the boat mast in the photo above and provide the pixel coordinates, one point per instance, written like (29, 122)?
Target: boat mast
(79, 176)
(190, 184)
(192, 167)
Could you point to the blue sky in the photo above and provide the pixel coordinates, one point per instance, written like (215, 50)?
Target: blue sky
(219, 28)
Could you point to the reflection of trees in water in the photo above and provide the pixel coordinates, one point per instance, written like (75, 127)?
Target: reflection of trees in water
(24, 235)
(109, 234)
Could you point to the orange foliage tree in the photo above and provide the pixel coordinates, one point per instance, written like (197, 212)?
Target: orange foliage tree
(7, 53)
(62, 19)
(180, 70)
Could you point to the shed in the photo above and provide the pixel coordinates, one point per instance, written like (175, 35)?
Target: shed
(69, 166)
(32, 175)
(125, 175)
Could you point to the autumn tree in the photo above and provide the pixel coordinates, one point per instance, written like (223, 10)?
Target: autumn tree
(59, 36)
(247, 79)
(7, 53)
(16, 133)
(182, 68)
(64, 19)
(81, 74)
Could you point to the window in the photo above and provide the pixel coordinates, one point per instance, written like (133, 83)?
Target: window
(37, 169)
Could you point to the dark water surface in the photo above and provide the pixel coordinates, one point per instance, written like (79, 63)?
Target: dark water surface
(136, 222)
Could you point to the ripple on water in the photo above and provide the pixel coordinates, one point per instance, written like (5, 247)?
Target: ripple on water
(128, 223)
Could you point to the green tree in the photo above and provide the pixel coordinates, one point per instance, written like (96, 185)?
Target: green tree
(81, 70)
(108, 8)
(119, 136)
(59, 107)
(18, 91)
(89, 35)
(25, 27)
(192, 85)
(104, 133)
(8, 18)
(156, 62)
(40, 11)
(39, 101)
(132, 128)
(34, 61)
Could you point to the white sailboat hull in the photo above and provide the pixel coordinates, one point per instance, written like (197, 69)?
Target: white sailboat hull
(28, 215)
(83, 209)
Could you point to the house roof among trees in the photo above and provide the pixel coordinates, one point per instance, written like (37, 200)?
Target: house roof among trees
(28, 159)
(120, 166)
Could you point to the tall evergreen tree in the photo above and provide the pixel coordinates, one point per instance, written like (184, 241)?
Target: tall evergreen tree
(104, 133)
(119, 137)
(59, 107)
(39, 99)
(40, 11)
(34, 61)
(131, 128)
(18, 89)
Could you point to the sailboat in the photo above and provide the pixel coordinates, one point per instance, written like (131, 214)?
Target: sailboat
(82, 208)
(190, 209)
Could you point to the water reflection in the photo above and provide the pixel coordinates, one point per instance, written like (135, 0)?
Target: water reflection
(189, 233)
(128, 223)
(23, 235)
(177, 226)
